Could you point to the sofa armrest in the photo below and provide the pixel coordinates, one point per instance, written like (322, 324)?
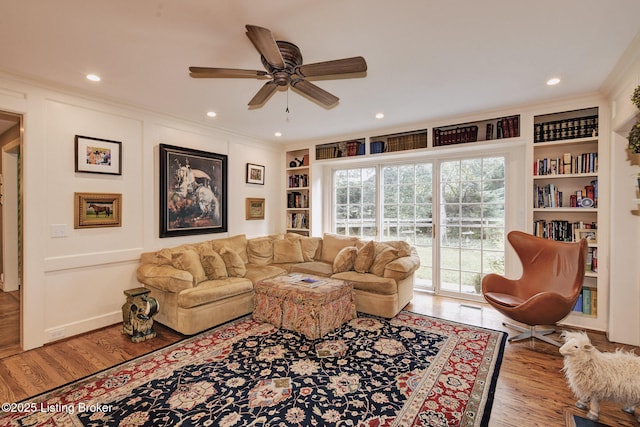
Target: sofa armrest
(402, 267)
(164, 277)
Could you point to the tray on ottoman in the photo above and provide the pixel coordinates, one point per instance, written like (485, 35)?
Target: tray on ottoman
(307, 304)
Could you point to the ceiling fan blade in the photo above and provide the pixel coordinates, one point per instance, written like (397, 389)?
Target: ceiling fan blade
(263, 40)
(357, 64)
(206, 72)
(263, 94)
(314, 92)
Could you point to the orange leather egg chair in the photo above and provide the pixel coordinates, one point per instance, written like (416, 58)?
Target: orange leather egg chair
(547, 291)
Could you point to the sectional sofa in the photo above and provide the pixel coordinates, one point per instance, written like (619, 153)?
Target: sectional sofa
(202, 285)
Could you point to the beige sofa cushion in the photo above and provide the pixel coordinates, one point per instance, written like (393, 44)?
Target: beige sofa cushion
(318, 268)
(214, 290)
(213, 264)
(345, 259)
(333, 243)
(381, 260)
(369, 282)
(311, 246)
(233, 262)
(287, 250)
(365, 257)
(236, 243)
(189, 260)
(260, 251)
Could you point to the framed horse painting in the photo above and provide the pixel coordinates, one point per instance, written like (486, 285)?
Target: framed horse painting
(193, 192)
(97, 210)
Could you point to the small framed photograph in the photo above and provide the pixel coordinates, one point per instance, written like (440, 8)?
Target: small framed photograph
(95, 155)
(255, 174)
(97, 210)
(254, 209)
(590, 234)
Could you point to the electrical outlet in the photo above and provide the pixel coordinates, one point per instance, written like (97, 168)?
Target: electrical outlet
(59, 230)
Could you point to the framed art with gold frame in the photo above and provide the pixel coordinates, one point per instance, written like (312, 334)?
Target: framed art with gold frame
(93, 210)
(254, 208)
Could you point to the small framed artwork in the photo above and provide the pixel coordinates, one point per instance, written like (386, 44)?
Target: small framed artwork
(193, 192)
(95, 155)
(254, 209)
(255, 174)
(93, 210)
(591, 234)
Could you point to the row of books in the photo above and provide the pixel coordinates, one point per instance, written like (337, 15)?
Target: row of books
(508, 127)
(549, 196)
(561, 230)
(568, 163)
(587, 302)
(406, 142)
(581, 127)
(296, 181)
(297, 220)
(459, 135)
(297, 199)
(340, 149)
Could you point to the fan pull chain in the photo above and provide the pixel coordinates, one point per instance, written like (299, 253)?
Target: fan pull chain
(287, 109)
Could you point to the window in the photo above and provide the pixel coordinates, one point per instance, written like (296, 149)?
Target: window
(355, 202)
(472, 222)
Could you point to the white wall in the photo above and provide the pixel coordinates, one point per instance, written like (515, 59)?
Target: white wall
(624, 315)
(75, 284)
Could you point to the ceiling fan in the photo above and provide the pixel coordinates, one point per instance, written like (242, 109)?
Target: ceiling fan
(283, 63)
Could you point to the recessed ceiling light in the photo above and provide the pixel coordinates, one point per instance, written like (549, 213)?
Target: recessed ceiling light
(554, 81)
(278, 134)
(93, 77)
(211, 114)
(380, 116)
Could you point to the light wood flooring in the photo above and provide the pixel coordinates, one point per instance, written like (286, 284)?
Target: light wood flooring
(531, 388)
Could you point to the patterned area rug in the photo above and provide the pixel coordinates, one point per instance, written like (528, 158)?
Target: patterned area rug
(412, 370)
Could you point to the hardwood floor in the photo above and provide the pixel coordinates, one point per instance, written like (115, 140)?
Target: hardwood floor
(531, 388)
(9, 323)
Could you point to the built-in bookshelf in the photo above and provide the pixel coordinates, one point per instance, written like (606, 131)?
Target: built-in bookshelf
(481, 130)
(404, 141)
(298, 192)
(333, 150)
(566, 181)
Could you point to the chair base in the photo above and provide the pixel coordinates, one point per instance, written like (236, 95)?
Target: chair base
(532, 332)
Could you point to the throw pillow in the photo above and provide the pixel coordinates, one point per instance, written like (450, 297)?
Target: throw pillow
(189, 260)
(365, 257)
(233, 262)
(404, 249)
(345, 259)
(287, 250)
(333, 243)
(311, 246)
(382, 259)
(213, 265)
(260, 251)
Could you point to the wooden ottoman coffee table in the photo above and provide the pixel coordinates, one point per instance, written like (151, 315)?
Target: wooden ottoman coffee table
(310, 305)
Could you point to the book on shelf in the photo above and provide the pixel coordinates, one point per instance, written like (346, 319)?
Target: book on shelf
(561, 230)
(567, 164)
(587, 302)
(573, 128)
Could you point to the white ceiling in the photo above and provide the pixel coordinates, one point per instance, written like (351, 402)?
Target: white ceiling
(427, 59)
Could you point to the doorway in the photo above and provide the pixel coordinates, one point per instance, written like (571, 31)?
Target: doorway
(10, 234)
